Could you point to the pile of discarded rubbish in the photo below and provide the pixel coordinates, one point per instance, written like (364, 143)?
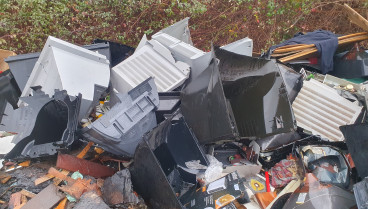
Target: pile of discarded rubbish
(167, 125)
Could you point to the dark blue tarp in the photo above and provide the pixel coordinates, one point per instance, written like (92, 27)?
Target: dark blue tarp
(326, 43)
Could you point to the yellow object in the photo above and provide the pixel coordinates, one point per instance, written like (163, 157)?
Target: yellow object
(99, 150)
(224, 200)
(256, 185)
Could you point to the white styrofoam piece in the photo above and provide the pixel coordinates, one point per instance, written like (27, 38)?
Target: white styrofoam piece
(243, 47)
(65, 66)
(151, 60)
(320, 109)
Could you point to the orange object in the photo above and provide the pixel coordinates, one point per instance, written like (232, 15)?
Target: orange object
(6, 179)
(62, 204)
(25, 163)
(265, 198)
(203, 189)
(85, 150)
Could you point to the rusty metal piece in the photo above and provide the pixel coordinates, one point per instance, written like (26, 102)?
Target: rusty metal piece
(85, 167)
(46, 199)
(75, 187)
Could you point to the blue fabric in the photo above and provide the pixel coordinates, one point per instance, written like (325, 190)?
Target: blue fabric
(326, 43)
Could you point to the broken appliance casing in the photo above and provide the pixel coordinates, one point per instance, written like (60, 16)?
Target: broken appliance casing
(169, 103)
(150, 60)
(257, 94)
(345, 68)
(243, 47)
(320, 109)
(361, 193)
(45, 126)
(159, 162)
(121, 129)
(65, 66)
(205, 108)
(9, 92)
(241, 97)
(356, 138)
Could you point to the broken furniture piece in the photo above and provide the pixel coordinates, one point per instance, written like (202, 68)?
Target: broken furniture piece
(159, 162)
(320, 109)
(65, 66)
(121, 129)
(44, 126)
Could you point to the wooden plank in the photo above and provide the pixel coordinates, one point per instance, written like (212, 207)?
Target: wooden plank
(85, 150)
(312, 52)
(43, 179)
(27, 193)
(355, 17)
(297, 47)
(58, 181)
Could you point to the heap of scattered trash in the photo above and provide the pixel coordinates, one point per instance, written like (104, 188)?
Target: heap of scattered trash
(167, 125)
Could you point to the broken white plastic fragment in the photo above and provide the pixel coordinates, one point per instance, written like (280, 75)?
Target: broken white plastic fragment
(179, 30)
(65, 66)
(151, 60)
(243, 47)
(320, 109)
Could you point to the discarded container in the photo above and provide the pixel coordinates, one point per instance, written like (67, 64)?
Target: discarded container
(65, 66)
(320, 109)
(121, 129)
(44, 126)
(159, 162)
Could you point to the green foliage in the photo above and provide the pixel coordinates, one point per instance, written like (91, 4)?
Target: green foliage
(26, 24)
